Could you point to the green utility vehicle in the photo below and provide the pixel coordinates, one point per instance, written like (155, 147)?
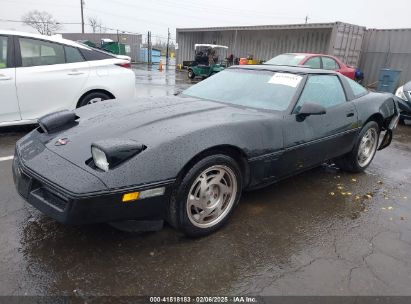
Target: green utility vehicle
(206, 60)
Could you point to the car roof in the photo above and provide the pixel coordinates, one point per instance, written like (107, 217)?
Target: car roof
(302, 54)
(284, 68)
(309, 54)
(210, 45)
(54, 38)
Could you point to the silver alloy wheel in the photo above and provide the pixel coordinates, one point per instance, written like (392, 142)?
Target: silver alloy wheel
(367, 148)
(211, 196)
(94, 100)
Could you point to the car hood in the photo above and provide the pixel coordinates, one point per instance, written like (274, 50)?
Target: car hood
(149, 121)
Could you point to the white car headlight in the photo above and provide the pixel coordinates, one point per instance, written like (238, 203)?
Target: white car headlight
(100, 159)
(400, 93)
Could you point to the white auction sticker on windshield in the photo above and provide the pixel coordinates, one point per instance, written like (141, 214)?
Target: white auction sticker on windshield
(287, 79)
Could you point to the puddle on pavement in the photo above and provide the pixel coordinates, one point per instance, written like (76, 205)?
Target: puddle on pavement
(272, 230)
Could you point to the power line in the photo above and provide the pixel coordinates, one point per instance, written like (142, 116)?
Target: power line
(182, 9)
(45, 22)
(28, 2)
(190, 6)
(77, 23)
(185, 15)
(84, 8)
(123, 16)
(126, 17)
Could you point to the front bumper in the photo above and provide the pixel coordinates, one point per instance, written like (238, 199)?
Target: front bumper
(405, 107)
(83, 209)
(386, 141)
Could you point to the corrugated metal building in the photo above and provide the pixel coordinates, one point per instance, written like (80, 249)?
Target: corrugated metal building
(131, 40)
(155, 55)
(264, 42)
(386, 49)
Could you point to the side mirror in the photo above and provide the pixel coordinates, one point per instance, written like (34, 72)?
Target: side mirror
(310, 109)
(177, 92)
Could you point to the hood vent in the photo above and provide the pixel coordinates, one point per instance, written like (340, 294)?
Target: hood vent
(58, 121)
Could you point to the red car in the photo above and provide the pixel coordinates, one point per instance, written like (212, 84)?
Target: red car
(315, 61)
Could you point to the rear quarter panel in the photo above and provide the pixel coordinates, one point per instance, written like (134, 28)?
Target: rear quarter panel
(106, 75)
(375, 103)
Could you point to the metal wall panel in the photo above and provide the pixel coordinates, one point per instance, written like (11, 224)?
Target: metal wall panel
(134, 41)
(370, 50)
(346, 43)
(260, 43)
(264, 42)
(386, 49)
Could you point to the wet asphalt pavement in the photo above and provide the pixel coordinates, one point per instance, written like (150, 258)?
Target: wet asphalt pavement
(324, 232)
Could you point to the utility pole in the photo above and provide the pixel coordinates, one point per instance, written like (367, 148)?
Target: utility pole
(168, 46)
(149, 48)
(82, 16)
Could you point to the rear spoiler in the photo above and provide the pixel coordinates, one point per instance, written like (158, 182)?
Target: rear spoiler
(58, 121)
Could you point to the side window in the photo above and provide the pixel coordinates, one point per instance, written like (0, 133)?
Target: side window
(91, 54)
(325, 90)
(356, 88)
(314, 62)
(37, 52)
(3, 52)
(330, 64)
(73, 54)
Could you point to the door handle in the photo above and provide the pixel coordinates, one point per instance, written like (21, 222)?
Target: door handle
(75, 73)
(350, 114)
(4, 77)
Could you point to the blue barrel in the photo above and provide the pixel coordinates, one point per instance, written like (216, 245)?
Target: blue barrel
(388, 80)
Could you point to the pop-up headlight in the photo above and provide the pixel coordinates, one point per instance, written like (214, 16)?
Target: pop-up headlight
(108, 154)
(100, 158)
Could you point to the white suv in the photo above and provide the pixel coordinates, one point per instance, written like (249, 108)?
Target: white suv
(42, 74)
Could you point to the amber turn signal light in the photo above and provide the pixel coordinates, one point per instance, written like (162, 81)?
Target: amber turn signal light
(129, 197)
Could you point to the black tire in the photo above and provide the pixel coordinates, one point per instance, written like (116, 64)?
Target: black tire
(191, 74)
(178, 213)
(86, 99)
(349, 162)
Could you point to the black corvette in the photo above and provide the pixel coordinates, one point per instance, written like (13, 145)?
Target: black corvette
(187, 159)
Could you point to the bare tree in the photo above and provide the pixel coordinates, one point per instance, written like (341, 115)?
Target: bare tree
(43, 22)
(95, 24)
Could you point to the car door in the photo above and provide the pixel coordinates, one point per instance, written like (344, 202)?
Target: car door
(317, 138)
(50, 77)
(9, 106)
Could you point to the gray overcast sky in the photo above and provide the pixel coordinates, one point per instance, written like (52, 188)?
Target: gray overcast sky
(157, 15)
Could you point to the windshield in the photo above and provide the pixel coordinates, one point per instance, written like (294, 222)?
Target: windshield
(251, 88)
(286, 59)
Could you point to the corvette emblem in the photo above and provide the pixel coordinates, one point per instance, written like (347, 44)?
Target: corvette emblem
(61, 142)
